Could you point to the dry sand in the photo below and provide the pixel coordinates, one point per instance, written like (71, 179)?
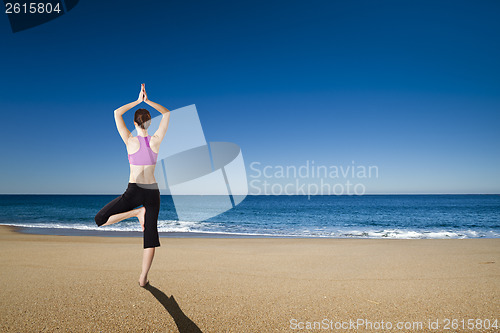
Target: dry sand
(89, 284)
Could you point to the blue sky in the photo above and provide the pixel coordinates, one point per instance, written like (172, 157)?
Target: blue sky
(412, 87)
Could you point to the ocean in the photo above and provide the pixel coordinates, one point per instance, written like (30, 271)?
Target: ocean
(366, 216)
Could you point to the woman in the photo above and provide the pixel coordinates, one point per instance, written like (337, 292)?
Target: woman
(142, 187)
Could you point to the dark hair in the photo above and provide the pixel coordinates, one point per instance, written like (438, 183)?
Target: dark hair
(142, 117)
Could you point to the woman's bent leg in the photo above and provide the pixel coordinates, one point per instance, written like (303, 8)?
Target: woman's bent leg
(139, 212)
(119, 208)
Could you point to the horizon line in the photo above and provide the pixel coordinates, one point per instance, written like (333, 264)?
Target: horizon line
(270, 195)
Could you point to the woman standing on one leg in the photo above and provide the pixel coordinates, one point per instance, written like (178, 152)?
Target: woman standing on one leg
(142, 187)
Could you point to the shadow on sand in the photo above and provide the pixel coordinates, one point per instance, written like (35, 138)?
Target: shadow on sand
(184, 324)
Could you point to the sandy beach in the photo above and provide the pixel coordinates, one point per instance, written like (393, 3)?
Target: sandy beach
(89, 284)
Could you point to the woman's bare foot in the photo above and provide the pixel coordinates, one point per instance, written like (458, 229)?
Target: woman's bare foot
(141, 212)
(143, 281)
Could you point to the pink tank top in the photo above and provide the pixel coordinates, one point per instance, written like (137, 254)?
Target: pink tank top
(144, 156)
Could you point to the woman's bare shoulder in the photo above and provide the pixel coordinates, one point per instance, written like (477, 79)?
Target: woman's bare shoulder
(155, 138)
(154, 143)
(132, 143)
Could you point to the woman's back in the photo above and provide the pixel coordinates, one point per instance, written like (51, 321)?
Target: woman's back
(142, 155)
(142, 149)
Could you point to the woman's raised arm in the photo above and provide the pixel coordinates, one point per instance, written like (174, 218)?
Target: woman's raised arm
(120, 124)
(162, 128)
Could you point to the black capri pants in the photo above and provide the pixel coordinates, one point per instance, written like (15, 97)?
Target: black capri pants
(136, 195)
